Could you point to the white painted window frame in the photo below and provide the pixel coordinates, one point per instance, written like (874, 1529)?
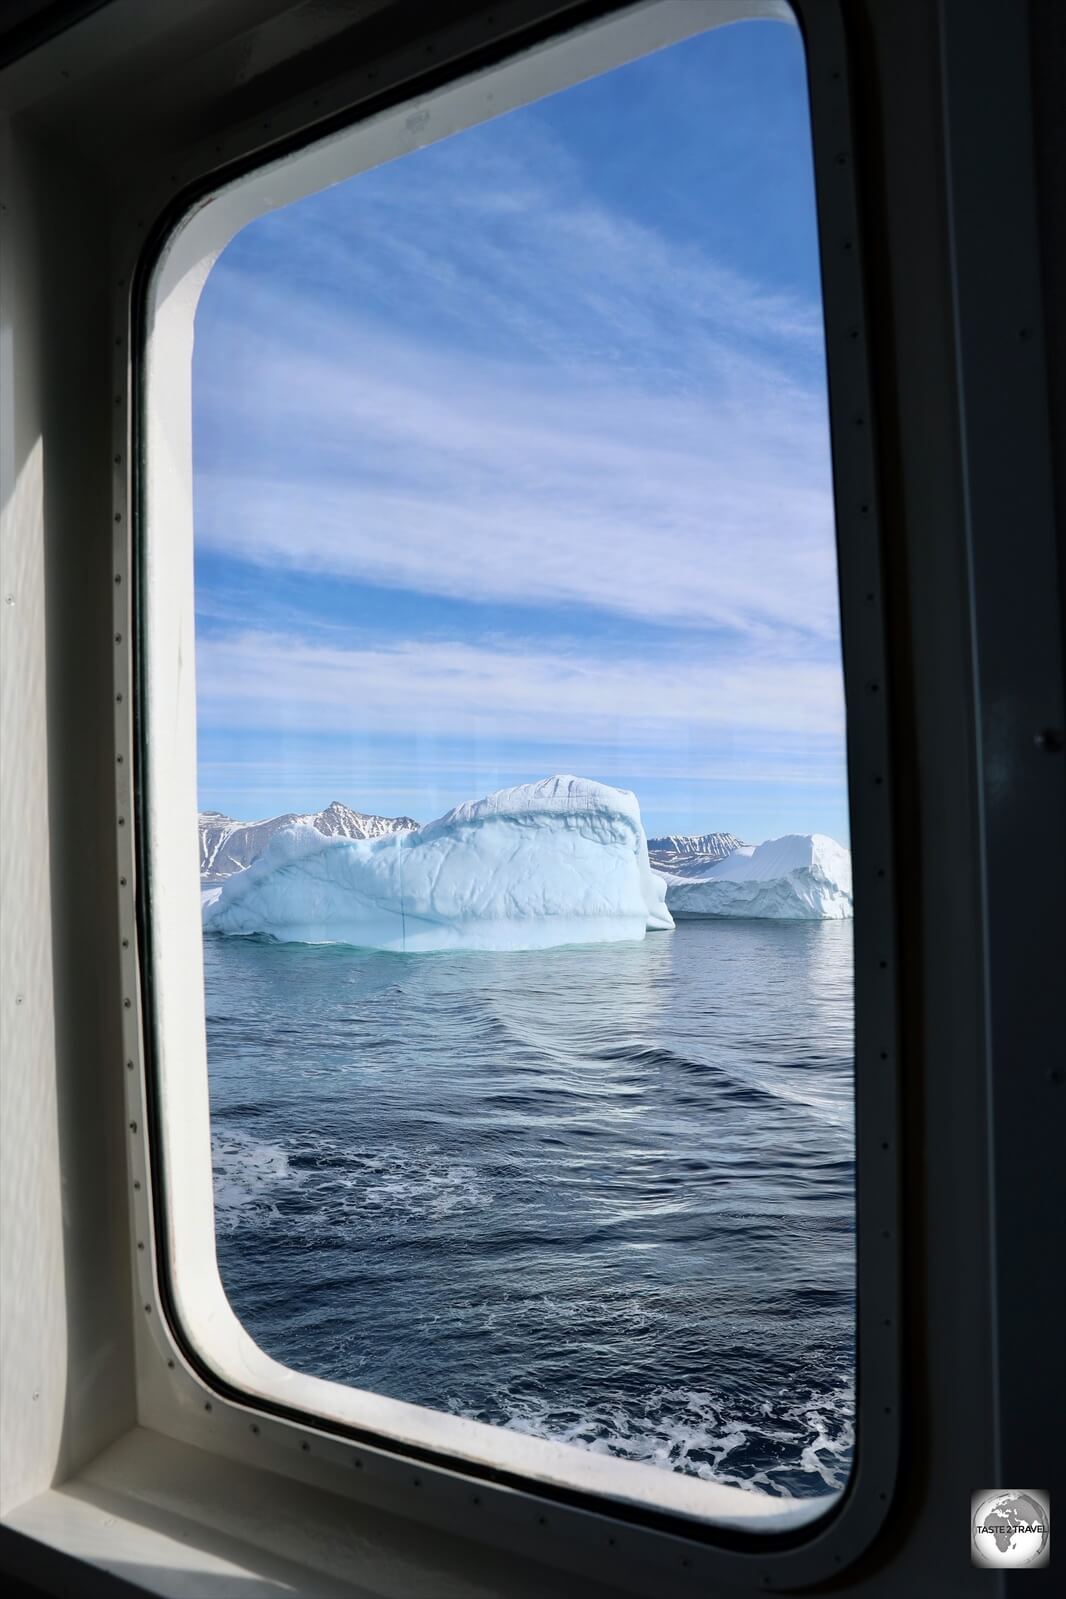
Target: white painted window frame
(202, 1383)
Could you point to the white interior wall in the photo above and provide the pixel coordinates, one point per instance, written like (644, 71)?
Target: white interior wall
(66, 1375)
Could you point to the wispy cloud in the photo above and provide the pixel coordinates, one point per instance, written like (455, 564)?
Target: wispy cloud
(450, 687)
(623, 428)
(448, 478)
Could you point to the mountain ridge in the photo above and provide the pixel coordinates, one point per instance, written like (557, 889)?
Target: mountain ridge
(682, 849)
(228, 845)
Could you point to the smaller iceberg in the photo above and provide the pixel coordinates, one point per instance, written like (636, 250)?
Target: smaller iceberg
(801, 877)
(561, 861)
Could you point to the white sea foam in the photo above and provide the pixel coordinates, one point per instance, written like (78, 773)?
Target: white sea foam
(398, 1186)
(701, 1433)
(248, 1176)
(389, 1186)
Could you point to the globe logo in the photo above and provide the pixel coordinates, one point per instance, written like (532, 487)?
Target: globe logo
(1011, 1527)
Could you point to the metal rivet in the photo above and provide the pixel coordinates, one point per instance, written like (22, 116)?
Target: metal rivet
(118, 760)
(122, 819)
(873, 688)
(133, 1127)
(118, 460)
(128, 1003)
(842, 158)
(137, 1186)
(18, 999)
(170, 1364)
(357, 1463)
(883, 965)
(306, 1447)
(118, 577)
(207, 1404)
(140, 1245)
(884, 1143)
(1025, 334)
(122, 882)
(118, 516)
(254, 1428)
(416, 1482)
(878, 781)
(129, 1065)
(118, 699)
(148, 1310)
(118, 638)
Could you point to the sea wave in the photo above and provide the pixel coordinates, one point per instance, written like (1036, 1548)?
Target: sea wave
(603, 1196)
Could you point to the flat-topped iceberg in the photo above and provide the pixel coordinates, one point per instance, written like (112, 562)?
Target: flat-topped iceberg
(802, 877)
(562, 861)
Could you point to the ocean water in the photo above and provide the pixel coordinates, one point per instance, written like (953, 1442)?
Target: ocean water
(602, 1194)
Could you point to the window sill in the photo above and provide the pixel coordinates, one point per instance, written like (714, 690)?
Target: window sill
(183, 1522)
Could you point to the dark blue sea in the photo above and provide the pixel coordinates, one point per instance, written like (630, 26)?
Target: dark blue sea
(600, 1194)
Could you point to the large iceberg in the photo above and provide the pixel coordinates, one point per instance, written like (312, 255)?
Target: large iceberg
(562, 861)
(801, 877)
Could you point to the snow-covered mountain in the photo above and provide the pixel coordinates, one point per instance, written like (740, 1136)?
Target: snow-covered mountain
(228, 846)
(677, 850)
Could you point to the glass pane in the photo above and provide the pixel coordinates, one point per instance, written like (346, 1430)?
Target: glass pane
(529, 988)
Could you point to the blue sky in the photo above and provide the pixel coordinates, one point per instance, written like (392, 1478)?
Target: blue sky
(512, 458)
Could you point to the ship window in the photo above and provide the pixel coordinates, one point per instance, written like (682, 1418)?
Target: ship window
(524, 967)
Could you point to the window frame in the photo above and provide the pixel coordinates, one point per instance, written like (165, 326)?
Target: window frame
(176, 1379)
